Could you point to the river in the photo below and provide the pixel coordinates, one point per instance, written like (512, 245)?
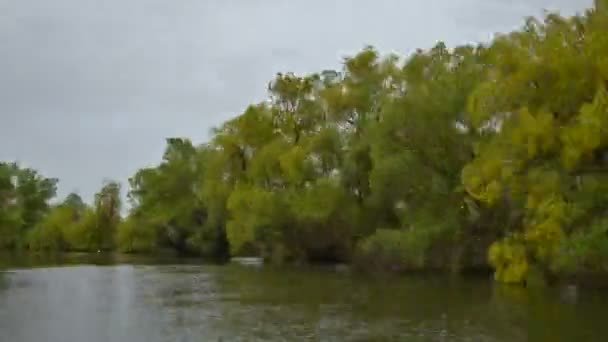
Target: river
(97, 300)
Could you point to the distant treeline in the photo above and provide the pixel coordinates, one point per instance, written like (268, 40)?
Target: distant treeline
(453, 158)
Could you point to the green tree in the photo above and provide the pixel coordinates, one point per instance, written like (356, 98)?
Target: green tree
(24, 201)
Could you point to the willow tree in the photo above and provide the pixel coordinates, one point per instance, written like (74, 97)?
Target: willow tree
(168, 207)
(546, 95)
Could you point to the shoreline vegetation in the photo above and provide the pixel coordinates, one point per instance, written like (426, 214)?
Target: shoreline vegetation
(490, 156)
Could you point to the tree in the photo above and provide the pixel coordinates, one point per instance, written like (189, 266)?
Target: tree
(546, 155)
(24, 201)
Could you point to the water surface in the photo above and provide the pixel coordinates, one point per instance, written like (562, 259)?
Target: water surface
(170, 301)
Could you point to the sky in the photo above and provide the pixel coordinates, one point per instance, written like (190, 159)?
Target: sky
(90, 89)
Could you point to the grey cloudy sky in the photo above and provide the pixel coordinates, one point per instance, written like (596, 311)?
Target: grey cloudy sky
(89, 89)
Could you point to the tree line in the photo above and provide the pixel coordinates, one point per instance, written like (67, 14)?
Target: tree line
(29, 221)
(453, 158)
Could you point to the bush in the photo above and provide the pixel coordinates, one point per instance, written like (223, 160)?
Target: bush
(49, 234)
(46, 238)
(134, 237)
(394, 249)
(79, 235)
(585, 251)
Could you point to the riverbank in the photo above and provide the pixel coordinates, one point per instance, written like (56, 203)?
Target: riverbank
(25, 260)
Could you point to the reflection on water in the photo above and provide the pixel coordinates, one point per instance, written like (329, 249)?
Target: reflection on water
(170, 302)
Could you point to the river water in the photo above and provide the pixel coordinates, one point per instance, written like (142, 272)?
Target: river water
(130, 301)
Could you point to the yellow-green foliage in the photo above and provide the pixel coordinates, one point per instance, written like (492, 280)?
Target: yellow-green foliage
(509, 260)
(397, 248)
(134, 237)
(549, 79)
(318, 202)
(79, 236)
(253, 210)
(50, 233)
(294, 165)
(588, 133)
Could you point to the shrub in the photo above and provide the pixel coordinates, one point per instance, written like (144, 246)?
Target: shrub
(133, 237)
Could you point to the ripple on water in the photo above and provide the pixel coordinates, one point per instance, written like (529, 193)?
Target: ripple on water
(207, 303)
